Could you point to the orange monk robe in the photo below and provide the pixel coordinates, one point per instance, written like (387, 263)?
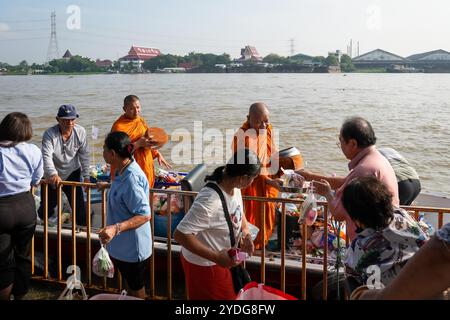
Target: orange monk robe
(135, 129)
(262, 146)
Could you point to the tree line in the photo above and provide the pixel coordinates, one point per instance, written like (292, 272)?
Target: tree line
(202, 62)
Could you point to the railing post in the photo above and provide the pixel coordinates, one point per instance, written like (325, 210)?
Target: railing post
(325, 254)
(152, 259)
(44, 197)
(263, 242)
(59, 196)
(104, 224)
(88, 236)
(440, 219)
(283, 246)
(169, 247)
(74, 235)
(304, 240)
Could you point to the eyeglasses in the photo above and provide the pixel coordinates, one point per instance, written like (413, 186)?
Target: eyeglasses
(338, 144)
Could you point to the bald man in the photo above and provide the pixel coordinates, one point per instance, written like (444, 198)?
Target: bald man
(256, 135)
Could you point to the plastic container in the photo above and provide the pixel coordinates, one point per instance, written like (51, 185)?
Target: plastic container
(237, 255)
(161, 223)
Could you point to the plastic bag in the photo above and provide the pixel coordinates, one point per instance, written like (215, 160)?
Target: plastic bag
(102, 264)
(309, 209)
(292, 179)
(255, 291)
(109, 296)
(68, 293)
(160, 203)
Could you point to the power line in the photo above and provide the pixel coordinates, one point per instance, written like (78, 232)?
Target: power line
(22, 39)
(28, 30)
(22, 21)
(140, 34)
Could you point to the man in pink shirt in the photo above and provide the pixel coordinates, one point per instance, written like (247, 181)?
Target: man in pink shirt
(357, 141)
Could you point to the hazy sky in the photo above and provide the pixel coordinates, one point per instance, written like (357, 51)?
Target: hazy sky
(109, 28)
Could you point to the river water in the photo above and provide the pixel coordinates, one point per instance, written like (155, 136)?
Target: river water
(409, 112)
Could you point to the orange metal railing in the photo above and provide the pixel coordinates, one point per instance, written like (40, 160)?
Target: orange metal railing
(187, 196)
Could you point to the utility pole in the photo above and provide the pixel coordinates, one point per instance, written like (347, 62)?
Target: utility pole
(53, 51)
(351, 48)
(292, 40)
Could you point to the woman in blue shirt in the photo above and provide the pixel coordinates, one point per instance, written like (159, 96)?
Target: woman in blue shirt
(20, 168)
(128, 232)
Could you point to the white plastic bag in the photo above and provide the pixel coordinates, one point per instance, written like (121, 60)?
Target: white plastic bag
(254, 230)
(255, 291)
(292, 179)
(308, 214)
(102, 265)
(109, 296)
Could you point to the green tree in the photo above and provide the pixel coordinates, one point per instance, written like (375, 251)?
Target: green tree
(347, 64)
(319, 60)
(23, 66)
(208, 59)
(331, 60)
(275, 59)
(223, 59)
(161, 62)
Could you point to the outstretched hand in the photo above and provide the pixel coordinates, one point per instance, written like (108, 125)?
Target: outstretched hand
(323, 187)
(162, 162)
(276, 183)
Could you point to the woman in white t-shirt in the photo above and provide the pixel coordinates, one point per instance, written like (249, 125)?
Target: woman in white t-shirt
(205, 235)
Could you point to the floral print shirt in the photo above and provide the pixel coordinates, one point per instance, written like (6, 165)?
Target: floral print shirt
(376, 257)
(444, 233)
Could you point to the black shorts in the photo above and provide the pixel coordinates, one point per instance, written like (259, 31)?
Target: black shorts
(132, 272)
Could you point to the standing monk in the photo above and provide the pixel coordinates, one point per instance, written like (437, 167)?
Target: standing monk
(256, 135)
(136, 128)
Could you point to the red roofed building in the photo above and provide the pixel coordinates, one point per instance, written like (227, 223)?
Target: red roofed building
(103, 63)
(138, 55)
(250, 53)
(186, 65)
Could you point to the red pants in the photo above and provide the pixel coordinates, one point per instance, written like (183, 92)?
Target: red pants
(208, 283)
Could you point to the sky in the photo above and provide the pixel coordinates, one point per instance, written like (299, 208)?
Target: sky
(107, 29)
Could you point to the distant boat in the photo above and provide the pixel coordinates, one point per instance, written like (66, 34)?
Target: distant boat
(171, 70)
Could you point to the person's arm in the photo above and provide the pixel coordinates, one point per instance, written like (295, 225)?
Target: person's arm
(246, 240)
(274, 182)
(425, 276)
(334, 199)
(191, 243)
(335, 182)
(38, 170)
(83, 153)
(109, 232)
(47, 155)
(161, 160)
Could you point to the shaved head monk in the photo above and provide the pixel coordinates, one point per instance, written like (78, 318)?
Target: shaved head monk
(256, 135)
(136, 128)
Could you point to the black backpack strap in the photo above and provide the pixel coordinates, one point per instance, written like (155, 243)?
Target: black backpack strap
(225, 210)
